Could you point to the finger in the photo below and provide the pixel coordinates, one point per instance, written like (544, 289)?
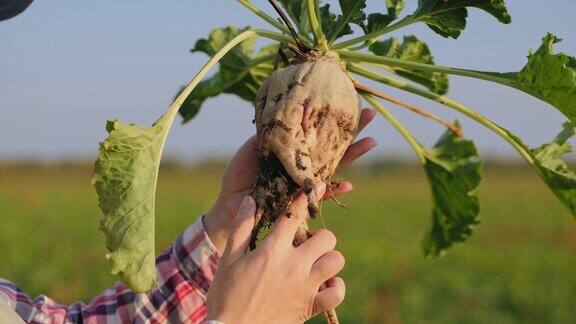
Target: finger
(247, 153)
(241, 171)
(240, 231)
(321, 242)
(356, 150)
(286, 226)
(366, 116)
(330, 297)
(327, 266)
(337, 190)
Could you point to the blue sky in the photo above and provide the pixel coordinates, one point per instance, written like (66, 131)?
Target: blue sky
(67, 66)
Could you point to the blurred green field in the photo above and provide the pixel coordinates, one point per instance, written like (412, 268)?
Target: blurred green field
(519, 267)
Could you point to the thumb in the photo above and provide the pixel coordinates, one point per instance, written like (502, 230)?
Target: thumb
(240, 231)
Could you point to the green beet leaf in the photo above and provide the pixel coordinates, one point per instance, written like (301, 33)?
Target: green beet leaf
(333, 25)
(352, 12)
(378, 20)
(454, 172)
(547, 159)
(241, 72)
(415, 50)
(125, 181)
(448, 18)
(125, 177)
(548, 76)
(395, 7)
(297, 12)
(554, 171)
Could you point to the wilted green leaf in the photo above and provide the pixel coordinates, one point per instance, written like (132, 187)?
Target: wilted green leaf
(454, 172)
(554, 171)
(551, 168)
(412, 49)
(448, 17)
(549, 77)
(240, 73)
(125, 180)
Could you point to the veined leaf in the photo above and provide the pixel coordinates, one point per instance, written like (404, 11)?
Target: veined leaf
(549, 77)
(378, 20)
(454, 172)
(547, 159)
(554, 171)
(125, 180)
(330, 23)
(448, 18)
(218, 38)
(352, 12)
(415, 50)
(395, 7)
(297, 11)
(240, 73)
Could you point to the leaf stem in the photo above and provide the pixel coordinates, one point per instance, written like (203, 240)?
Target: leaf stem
(375, 34)
(363, 88)
(250, 6)
(389, 61)
(506, 135)
(281, 38)
(175, 106)
(404, 132)
(169, 116)
(312, 9)
(359, 47)
(301, 46)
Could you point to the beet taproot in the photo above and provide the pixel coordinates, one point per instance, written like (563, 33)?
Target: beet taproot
(306, 117)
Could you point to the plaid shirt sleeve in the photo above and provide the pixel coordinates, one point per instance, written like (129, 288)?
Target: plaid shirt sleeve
(185, 271)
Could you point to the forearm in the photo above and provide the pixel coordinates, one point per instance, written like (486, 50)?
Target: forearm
(185, 271)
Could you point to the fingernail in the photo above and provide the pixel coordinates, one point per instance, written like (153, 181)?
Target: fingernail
(373, 142)
(248, 206)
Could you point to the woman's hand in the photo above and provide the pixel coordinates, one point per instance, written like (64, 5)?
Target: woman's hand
(277, 282)
(241, 174)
